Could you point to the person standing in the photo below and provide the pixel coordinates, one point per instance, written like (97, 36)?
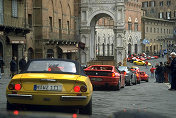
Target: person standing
(1, 66)
(22, 64)
(13, 66)
(146, 64)
(152, 70)
(161, 73)
(173, 71)
(156, 72)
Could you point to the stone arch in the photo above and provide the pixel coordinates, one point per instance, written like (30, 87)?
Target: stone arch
(97, 13)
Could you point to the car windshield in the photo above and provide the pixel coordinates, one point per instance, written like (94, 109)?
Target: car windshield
(52, 66)
(122, 68)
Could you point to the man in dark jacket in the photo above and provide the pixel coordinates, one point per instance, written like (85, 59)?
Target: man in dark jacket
(13, 66)
(161, 73)
(173, 71)
(22, 63)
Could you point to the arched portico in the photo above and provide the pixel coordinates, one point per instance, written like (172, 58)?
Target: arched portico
(90, 14)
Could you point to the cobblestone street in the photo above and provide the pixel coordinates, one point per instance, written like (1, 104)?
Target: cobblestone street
(151, 96)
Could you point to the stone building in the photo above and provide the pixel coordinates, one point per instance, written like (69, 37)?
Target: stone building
(54, 28)
(159, 33)
(105, 35)
(166, 11)
(12, 31)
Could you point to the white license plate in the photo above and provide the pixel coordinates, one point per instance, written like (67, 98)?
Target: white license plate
(96, 79)
(48, 88)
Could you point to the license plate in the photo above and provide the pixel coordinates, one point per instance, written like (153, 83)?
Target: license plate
(96, 79)
(48, 88)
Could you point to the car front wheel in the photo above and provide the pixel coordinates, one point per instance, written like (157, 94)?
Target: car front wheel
(87, 109)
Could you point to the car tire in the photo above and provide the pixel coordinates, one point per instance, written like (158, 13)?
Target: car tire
(87, 109)
(10, 106)
(138, 82)
(147, 80)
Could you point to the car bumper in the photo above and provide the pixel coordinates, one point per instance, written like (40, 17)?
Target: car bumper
(144, 78)
(104, 83)
(53, 100)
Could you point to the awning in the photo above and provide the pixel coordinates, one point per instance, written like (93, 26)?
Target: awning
(17, 40)
(69, 48)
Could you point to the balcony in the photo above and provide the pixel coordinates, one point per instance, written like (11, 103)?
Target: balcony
(10, 24)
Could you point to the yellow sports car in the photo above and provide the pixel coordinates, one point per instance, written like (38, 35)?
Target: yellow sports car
(51, 82)
(141, 63)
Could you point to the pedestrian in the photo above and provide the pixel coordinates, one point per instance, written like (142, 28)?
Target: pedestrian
(161, 73)
(156, 72)
(13, 67)
(146, 64)
(22, 64)
(173, 71)
(163, 55)
(152, 70)
(1, 66)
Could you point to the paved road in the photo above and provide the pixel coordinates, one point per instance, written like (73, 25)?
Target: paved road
(151, 96)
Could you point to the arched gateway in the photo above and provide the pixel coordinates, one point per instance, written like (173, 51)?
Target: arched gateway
(91, 12)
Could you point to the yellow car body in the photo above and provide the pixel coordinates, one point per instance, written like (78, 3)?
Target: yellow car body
(61, 91)
(141, 63)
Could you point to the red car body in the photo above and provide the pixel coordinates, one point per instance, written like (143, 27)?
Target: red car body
(142, 58)
(143, 76)
(136, 70)
(156, 57)
(105, 75)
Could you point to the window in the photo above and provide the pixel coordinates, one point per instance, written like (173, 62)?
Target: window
(152, 3)
(30, 20)
(51, 24)
(145, 4)
(129, 26)
(161, 14)
(158, 30)
(174, 13)
(14, 8)
(168, 15)
(147, 29)
(151, 29)
(68, 27)
(168, 3)
(154, 30)
(161, 30)
(136, 27)
(164, 31)
(1, 12)
(161, 3)
(60, 29)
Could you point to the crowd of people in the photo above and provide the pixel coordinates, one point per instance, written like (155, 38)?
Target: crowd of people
(166, 72)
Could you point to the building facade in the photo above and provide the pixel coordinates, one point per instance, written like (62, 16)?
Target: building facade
(159, 33)
(133, 15)
(12, 31)
(105, 34)
(54, 29)
(166, 11)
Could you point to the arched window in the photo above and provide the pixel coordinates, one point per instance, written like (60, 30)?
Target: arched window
(50, 53)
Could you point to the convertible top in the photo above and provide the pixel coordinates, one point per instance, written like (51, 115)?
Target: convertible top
(79, 70)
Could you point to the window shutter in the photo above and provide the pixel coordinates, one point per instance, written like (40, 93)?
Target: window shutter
(1, 12)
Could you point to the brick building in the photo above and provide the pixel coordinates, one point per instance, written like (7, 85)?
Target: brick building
(54, 28)
(12, 31)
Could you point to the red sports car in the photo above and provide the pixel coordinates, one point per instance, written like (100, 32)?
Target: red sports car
(105, 75)
(143, 76)
(135, 69)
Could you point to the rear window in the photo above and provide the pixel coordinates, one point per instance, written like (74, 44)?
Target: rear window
(101, 68)
(52, 66)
